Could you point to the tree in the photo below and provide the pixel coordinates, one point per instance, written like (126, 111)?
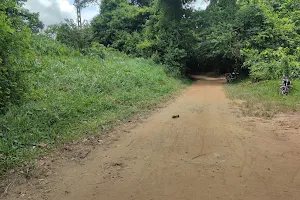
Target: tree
(141, 2)
(119, 24)
(14, 53)
(273, 51)
(228, 34)
(70, 34)
(20, 16)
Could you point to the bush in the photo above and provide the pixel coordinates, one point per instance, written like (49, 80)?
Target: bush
(15, 58)
(96, 50)
(72, 95)
(273, 51)
(43, 45)
(272, 64)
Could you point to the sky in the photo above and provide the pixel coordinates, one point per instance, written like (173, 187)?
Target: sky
(55, 11)
(201, 4)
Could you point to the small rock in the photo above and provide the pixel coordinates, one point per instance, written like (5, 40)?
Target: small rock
(68, 148)
(83, 154)
(84, 140)
(42, 145)
(175, 116)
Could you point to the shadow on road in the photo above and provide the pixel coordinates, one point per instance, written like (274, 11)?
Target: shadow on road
(208, 80)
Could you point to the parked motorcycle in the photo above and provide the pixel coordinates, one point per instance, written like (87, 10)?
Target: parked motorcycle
(230, 77)
(284, 90)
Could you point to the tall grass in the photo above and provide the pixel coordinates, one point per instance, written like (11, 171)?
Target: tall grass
(263, 99)
(73, 95)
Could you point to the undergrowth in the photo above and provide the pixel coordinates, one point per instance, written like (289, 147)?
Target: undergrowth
(71, 95)
(262, 98)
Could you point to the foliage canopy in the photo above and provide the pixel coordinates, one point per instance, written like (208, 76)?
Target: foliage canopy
(228, 34)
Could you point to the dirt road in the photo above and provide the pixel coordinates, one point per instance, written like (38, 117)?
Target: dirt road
(209, 153)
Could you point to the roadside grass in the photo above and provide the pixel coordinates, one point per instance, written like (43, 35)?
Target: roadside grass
(262, 99)
(73, 96)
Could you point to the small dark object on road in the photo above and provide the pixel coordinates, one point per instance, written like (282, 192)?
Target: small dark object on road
(175, 116)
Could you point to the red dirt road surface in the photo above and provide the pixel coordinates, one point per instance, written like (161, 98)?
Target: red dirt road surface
(209, 152)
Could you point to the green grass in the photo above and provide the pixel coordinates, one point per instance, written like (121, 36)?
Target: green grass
(72, 96)
(262, 98)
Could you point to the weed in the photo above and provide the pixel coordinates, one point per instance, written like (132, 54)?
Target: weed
(71, 96)
(262, 98)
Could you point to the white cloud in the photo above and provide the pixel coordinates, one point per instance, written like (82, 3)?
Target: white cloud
(89, 13)
(56, 11)
(66, 7)
(45, 3)
(201, 4)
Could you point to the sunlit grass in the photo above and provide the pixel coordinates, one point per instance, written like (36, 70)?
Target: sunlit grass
(73, 96)
(263, 99)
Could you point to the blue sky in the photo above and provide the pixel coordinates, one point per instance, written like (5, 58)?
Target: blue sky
(55, 11)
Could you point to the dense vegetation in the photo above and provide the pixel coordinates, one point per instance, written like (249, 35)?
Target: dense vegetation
(55, 84)
(70, 94)
(260, 37)
(256, 36)
(54, 92)
(16, 25)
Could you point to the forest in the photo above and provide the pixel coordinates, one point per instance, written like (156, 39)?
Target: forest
(259, 36)
(62, 81)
